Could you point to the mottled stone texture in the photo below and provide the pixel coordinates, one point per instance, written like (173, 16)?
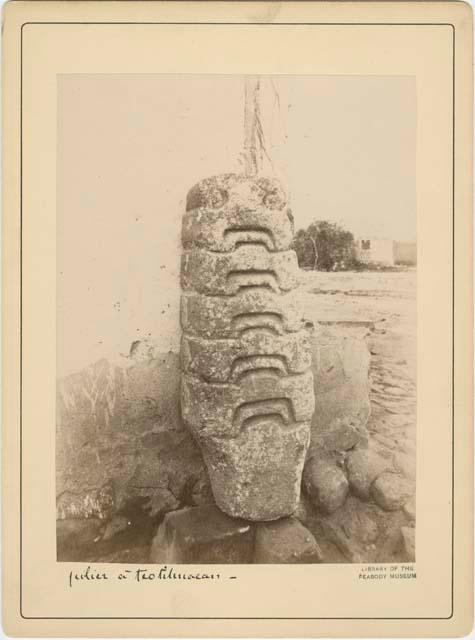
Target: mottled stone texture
(241, 226)
(228, 316)
(247, 387)
(230, 360)
(120, 439)
(286, 541)
(226, 410)
(342, 406)
(205, 535)
(225, 274)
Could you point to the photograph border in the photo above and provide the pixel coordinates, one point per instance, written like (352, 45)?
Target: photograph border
(272, 24)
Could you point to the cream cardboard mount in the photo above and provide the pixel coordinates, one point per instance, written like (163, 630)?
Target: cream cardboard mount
(251, 469)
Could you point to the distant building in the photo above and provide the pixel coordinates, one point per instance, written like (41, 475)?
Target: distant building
(375, 251)
(405, 253)
(386, 252)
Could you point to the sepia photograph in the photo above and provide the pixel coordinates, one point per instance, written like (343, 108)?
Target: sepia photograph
(236, 306)
(238, 328)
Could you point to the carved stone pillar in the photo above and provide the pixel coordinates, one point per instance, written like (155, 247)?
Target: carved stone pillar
(247, 389)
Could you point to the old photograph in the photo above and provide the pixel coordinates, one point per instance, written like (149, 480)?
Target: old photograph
(236, 319)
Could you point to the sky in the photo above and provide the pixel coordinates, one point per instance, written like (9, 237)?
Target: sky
(131, 146)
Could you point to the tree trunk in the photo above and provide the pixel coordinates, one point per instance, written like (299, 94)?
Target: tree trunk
(314, 242)
(251, 110)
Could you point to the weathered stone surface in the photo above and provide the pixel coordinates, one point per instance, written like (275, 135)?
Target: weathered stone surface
(224, 230)
(343, 434)
(360, 532)
(256, 475)
(363, 466)
(247, 395)
(231, 316)
(304, 511)
(342, 405)
(74, 533)
(116, 525)
(408, 543)
(214, 273)
(231, 191)
(333, 540)
(390, 491)
(325, 483)
(201, 492)
(222, 410)
(285, 541)
(90, 503)
(121, 440)
(230, 360)
(202, 535)
(360, 526)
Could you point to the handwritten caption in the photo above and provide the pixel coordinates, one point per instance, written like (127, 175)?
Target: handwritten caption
(383, 572)
(90, 575)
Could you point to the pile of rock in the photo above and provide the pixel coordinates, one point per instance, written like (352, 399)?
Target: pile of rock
(206, 535)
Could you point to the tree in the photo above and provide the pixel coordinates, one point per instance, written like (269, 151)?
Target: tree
(325, 246)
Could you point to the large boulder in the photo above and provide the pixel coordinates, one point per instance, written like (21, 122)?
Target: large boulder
(363, 466)
(391, 491)
(285, 541)
(202, 535)
(325, 483)
(340, 365)
(120, 440)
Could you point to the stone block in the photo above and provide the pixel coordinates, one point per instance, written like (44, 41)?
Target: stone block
(341, 385)
(256, 475)
(202, 535)
(220, 317)
(285, 541)
(224, 231)
(127, 449)
(363, 466)
(225, 274)
(342, 434)
(118, 524)
(391, 491)
(231, 360)
(325, 483)
(87, 503)
(224, 410)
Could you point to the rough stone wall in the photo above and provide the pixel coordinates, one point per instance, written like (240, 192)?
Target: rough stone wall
(247, 385)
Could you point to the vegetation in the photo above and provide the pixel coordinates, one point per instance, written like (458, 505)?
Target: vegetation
(325, 246)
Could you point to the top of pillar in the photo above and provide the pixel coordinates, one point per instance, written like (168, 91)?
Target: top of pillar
(232, 189)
